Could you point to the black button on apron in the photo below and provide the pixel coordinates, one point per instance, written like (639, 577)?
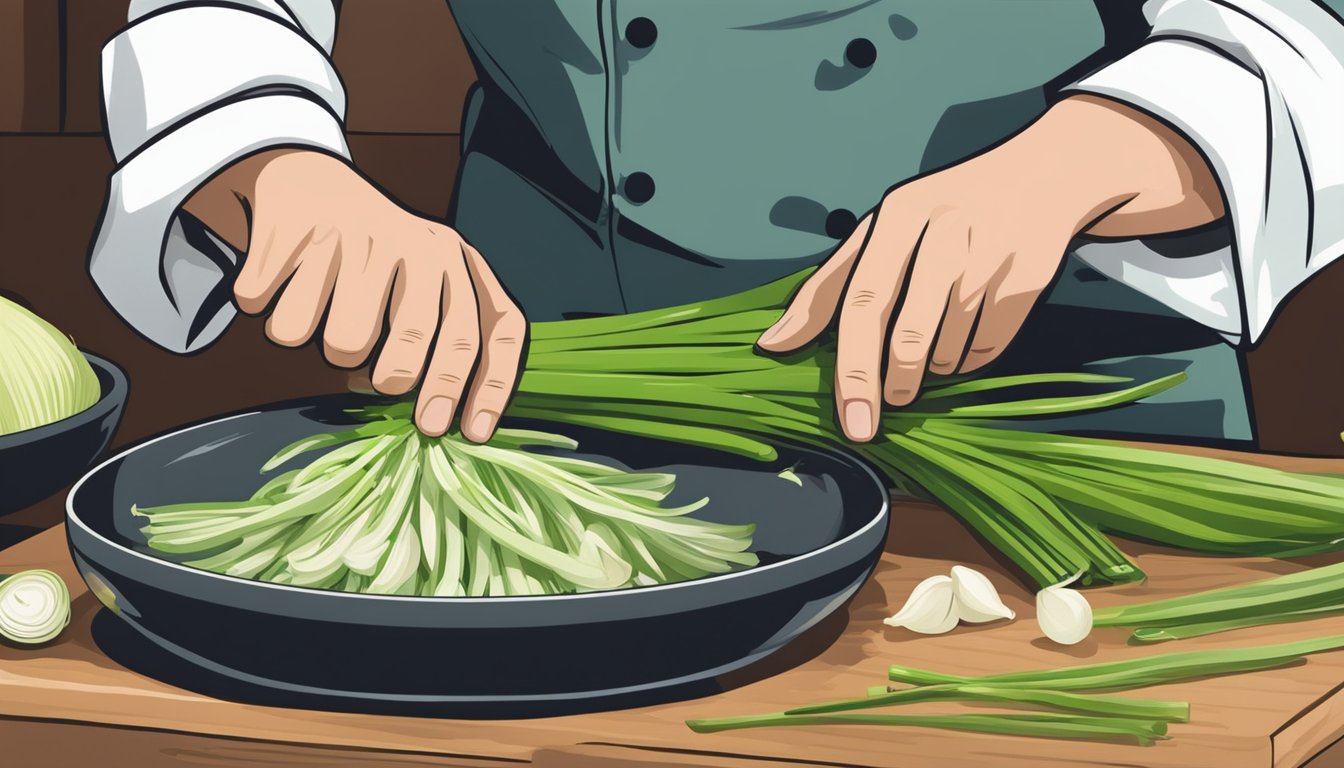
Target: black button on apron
(840, 223)
(641, 32)
(639, 187)
(861, 52)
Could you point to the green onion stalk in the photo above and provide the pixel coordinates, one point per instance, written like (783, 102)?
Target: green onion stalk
(1315, 593)
(692, 374)
(1075, 699)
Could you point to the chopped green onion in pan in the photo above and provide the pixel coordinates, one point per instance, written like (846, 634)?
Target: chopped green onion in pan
(389, 511)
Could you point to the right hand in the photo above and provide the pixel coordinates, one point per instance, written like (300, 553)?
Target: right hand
(323, 240)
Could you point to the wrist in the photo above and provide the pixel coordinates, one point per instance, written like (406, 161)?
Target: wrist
(1112, 170)
(223, 203)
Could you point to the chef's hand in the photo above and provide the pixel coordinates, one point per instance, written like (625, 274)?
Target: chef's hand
(324, 241)
(940, 276)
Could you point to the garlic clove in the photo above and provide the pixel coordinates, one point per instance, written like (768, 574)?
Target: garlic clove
(930, 609)
(1064, 614)
(975, 600)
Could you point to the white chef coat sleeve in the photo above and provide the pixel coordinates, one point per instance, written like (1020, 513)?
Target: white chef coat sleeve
(1258, 87)
(189, 88)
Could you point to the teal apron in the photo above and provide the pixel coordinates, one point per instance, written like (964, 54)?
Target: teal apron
(629, 154)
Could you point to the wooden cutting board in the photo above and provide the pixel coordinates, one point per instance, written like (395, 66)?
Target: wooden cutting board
(69, 703)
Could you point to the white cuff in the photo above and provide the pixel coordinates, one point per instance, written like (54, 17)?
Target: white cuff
(142, 262)
(168, 66)
(1219, 106)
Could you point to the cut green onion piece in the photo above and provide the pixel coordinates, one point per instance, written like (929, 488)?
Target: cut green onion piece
(1173, 711)
(1199, 629)
(1088, 728)
(1139, 672)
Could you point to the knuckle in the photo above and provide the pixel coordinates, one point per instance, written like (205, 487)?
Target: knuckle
(248, 300)
(464, 345)
(947, 214)
(449, 379)
(943, 362)
(413, 337)
(507, 327)
(284, 336)
(863, 300)
(856, 376)
(342, 349)
(505, 340)
(978, 357)
(909, 347)
(397, 381)
(899, 395)
(246, 290)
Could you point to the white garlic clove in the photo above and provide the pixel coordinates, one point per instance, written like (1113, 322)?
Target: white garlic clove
(930, 610)
(1064, 614)
(975, 599)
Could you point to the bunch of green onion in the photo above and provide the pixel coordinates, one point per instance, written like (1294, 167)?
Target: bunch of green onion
(1311, 594)
(387, 510)
(43, 377)
(1070, 695)
(692, 374)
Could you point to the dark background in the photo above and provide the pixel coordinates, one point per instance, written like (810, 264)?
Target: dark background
(406, 72)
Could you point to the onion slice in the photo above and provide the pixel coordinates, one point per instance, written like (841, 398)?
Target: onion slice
(34, 607)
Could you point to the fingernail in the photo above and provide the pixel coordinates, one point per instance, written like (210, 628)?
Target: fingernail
(859, 419)
(773, 332)
(437, 415)
(481, 425)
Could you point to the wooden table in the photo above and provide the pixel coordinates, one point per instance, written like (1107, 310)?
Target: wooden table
(69, 704)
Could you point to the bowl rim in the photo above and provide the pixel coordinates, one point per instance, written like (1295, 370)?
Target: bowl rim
(879, 517)
(114, 387)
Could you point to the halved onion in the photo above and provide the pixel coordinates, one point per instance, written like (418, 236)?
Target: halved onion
(43, 377)
(34, 606)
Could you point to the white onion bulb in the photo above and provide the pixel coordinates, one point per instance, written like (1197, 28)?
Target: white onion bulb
(34, 607)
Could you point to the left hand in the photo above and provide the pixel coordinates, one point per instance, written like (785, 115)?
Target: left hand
(940, 276)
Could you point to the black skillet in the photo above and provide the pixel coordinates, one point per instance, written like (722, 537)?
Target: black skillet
(470, 657)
